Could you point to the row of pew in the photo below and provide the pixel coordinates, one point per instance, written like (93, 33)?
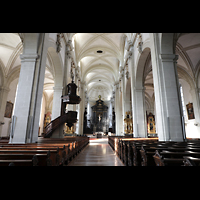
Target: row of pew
(151, 152)
(46, 152)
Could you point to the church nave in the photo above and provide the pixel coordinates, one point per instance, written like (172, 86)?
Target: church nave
(97, 153)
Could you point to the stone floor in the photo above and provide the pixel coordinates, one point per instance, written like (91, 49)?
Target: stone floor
(97, 153)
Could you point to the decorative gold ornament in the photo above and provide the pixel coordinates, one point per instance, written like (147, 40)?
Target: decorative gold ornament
(128, 123)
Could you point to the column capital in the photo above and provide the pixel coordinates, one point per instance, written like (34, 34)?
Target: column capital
(29, 57)
(168, 57)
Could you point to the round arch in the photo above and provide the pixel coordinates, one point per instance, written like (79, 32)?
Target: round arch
(2, 75)
(57, 66)
(13, 74)
(184, 75)
(140, 67)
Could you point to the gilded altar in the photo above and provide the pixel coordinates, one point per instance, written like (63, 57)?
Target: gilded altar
(151, 127)
(128, 123)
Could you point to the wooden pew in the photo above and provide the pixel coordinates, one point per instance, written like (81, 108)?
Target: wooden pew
(55, 152)
(130, 152)
(160, 161)
(146, 157)
(37, 159)
(58, 151)
(16, 163)
(191, 161)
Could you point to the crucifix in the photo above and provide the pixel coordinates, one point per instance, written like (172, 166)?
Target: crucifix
(99, 117)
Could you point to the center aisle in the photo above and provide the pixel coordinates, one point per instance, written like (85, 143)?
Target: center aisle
(97, 153)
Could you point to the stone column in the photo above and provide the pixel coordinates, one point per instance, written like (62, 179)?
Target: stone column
(141, 113)
(81, 109)
(68, 61)
(117, 107)
(133, 93)
(166, 88)
(30, 88)
(118, 111)
(56, 102)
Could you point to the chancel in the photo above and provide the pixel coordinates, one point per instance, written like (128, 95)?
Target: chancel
(59, 91)
(99, 116)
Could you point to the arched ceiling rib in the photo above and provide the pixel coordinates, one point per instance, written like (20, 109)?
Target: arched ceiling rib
(99, 70)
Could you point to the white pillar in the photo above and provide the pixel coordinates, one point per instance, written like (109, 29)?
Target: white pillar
(141, 113)
(133, 94)
(30, 88)
(119, 113)
(56, 108)
(81, 109)
(67, 67)
(117, 106)
(169, 122)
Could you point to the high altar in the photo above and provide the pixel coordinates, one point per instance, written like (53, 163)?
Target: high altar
(100, 117)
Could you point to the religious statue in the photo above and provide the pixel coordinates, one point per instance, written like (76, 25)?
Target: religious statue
(68, 130)
(128, 123)
(151, 128)
(99, 117)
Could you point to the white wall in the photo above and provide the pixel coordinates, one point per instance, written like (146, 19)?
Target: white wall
(11, 97)
(192, 131)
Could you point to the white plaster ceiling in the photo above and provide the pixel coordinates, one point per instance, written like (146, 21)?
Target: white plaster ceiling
(10, 49)
(99, 66)
(189, 51)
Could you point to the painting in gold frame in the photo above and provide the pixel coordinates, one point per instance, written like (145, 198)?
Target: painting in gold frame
(190, 111)
(8, 110)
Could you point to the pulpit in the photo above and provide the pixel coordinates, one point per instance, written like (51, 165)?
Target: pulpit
(58, 125)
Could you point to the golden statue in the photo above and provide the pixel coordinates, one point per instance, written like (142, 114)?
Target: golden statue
(68, 130)
(151, 124)
(128, 123)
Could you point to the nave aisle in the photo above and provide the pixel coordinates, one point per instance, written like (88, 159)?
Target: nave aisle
(97, 153)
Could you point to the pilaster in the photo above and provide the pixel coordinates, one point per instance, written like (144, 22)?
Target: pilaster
(141, 112)
(133, 93)
(167, 95)
(23, 98)
(30, 89)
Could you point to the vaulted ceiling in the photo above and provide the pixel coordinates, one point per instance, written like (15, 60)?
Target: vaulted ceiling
(188, 48)
(98, 56)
